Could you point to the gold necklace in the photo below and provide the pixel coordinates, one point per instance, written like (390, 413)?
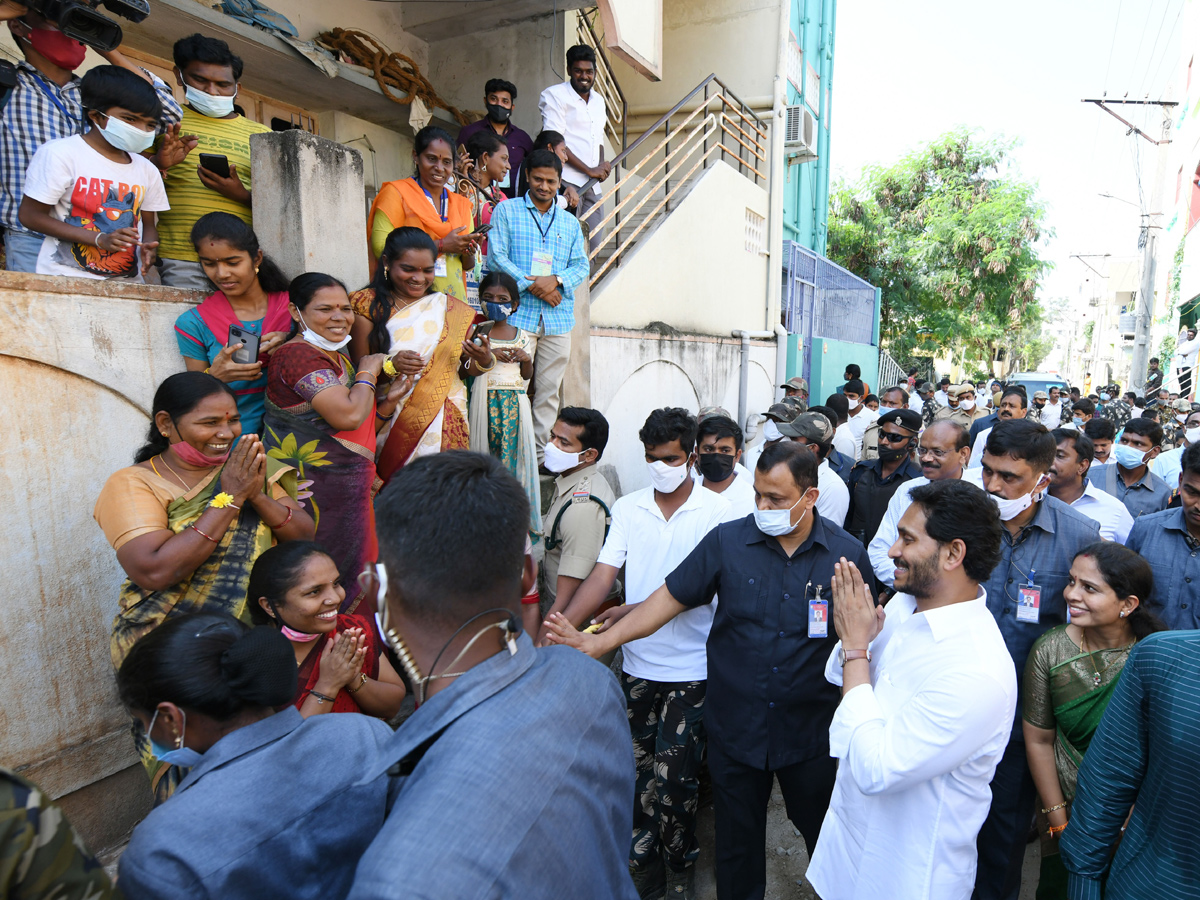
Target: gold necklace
(1096, 679)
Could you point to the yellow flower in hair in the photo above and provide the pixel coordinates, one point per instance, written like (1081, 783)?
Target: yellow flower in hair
(222, 500)
(389, 368)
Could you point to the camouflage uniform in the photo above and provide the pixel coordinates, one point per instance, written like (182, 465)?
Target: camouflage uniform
(42, 858)
(1118, 411)
(667, 725)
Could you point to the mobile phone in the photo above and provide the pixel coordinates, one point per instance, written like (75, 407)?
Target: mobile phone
(217, 163)
(484, 228)
(482, 330)
(248, 355)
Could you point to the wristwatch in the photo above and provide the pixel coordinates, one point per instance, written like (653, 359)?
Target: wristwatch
(844, 655)
(558, 278)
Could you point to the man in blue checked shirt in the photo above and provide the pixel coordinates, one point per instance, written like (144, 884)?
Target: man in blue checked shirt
(542, 247)
(44, 106)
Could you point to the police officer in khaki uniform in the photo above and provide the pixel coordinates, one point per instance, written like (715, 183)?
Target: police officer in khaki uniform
(577, 521)
(963, 408)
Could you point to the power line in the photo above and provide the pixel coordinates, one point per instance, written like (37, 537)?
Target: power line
(1166, 55)
(1166, 12)
(1133, 67)
(1111, 47)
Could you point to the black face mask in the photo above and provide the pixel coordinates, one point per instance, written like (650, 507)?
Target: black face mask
(498, 114)
(716, 466)
(893, 453)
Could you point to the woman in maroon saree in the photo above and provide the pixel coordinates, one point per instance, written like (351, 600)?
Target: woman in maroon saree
(321, 418)
(295, 588)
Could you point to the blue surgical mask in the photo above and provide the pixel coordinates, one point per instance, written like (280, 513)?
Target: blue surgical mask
(1129, 457)
(208, 104)
(1077, 422)
(1105, 397)
(777, 522)
(184, 757)
(126, 137)
(498, 312)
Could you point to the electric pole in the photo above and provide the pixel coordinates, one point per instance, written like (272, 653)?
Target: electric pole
(1145, 301)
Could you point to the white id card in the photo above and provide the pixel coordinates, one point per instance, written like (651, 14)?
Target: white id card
(439, 267)
(1029, 603)
(543, 263)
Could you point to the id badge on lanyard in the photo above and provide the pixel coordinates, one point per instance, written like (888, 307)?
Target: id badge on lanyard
(818, 615)
(439, 267)
(1029, 601)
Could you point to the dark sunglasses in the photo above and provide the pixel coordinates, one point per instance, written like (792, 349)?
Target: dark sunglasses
(894, 438)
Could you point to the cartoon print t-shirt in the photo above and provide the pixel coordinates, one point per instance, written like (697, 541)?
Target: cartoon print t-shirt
(92, 192)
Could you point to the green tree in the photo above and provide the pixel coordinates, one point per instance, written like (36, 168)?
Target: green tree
(950, 236)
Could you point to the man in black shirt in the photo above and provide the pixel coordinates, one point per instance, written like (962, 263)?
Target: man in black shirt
(872, 483)
(768, 707)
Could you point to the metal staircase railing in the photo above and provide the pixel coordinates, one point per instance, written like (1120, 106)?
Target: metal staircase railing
(710, 123)
(606, 79)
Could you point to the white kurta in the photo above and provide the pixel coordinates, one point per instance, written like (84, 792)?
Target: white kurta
(916, 750)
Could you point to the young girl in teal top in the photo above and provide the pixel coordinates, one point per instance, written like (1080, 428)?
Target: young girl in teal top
(252, 294)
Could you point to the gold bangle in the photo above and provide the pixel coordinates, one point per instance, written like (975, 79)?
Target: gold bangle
(362, 680)
(1046, 812)
(481, 370)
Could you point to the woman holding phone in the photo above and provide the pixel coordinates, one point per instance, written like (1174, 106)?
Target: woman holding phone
(428, 335)
(250, 305)
(425, 201)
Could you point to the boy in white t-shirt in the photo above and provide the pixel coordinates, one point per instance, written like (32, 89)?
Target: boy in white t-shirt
(93, 195)
(665, 675)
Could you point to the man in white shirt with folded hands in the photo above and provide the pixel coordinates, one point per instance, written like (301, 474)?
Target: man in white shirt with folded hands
(928, 698)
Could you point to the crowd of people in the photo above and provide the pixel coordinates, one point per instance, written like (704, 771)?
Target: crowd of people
(949, 616)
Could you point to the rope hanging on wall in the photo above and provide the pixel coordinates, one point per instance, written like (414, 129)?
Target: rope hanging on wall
(392, 70)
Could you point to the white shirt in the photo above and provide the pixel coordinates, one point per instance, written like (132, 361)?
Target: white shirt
(1052, 414)
(1105, 510)
(843, 440)
(941, 397)
(580, 122)
(858, 425)
(650, 547)
(889, 530)
(977, 448)
(916, 750)
(1185, 353)
(1169, 467)
(833, 500)
(739, 495)
(915, 402)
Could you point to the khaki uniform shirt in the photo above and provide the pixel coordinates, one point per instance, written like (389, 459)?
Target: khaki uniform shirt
(581, 529)
(960, 415)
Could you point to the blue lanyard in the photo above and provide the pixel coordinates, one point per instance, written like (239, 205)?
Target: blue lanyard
(53, 99)
(538, 222)
(445, 199)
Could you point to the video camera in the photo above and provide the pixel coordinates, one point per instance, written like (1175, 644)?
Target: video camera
(81, 21)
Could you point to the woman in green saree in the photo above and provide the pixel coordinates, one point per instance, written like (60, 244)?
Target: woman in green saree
(190, 517)
(1072, 672)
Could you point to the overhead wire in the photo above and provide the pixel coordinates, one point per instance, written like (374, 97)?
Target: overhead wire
(1165, 56)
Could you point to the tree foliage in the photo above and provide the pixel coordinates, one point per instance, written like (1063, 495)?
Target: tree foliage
(951, 239)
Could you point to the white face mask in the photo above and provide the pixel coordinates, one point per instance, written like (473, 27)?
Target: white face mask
(1181, 419)
(777, 522)
(1010, 509)
(557, 460)
(667, 479)
(1192, 435)
(967, 403)
(318, 341)
(854, 404)
(771, 431)
(208, 104)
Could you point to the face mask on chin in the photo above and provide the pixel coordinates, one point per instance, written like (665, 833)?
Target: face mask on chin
(320, 341)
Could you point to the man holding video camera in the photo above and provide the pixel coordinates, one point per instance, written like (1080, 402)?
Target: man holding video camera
(45, 106)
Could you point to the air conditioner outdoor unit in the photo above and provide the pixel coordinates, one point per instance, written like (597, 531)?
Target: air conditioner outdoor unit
(800, 134)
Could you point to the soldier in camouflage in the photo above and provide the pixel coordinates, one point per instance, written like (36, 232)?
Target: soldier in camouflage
(1114, 408)
(42, 858)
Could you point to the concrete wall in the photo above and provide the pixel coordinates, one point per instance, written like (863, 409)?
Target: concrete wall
(829, 361)
(693, 271)
(635, 372)
(530, 54)
(80, 360)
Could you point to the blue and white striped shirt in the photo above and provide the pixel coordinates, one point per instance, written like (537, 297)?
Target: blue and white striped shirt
(40, 111)
(1147, 749)
(519, 231)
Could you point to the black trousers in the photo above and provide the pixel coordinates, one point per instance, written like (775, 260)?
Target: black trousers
(1005, 832)
(740, 796)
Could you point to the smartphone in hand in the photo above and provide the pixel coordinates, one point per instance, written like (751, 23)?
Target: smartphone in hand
(250, 341)
(217, 163)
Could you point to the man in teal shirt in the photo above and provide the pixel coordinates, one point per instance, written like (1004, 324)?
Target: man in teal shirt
(1145, 752)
